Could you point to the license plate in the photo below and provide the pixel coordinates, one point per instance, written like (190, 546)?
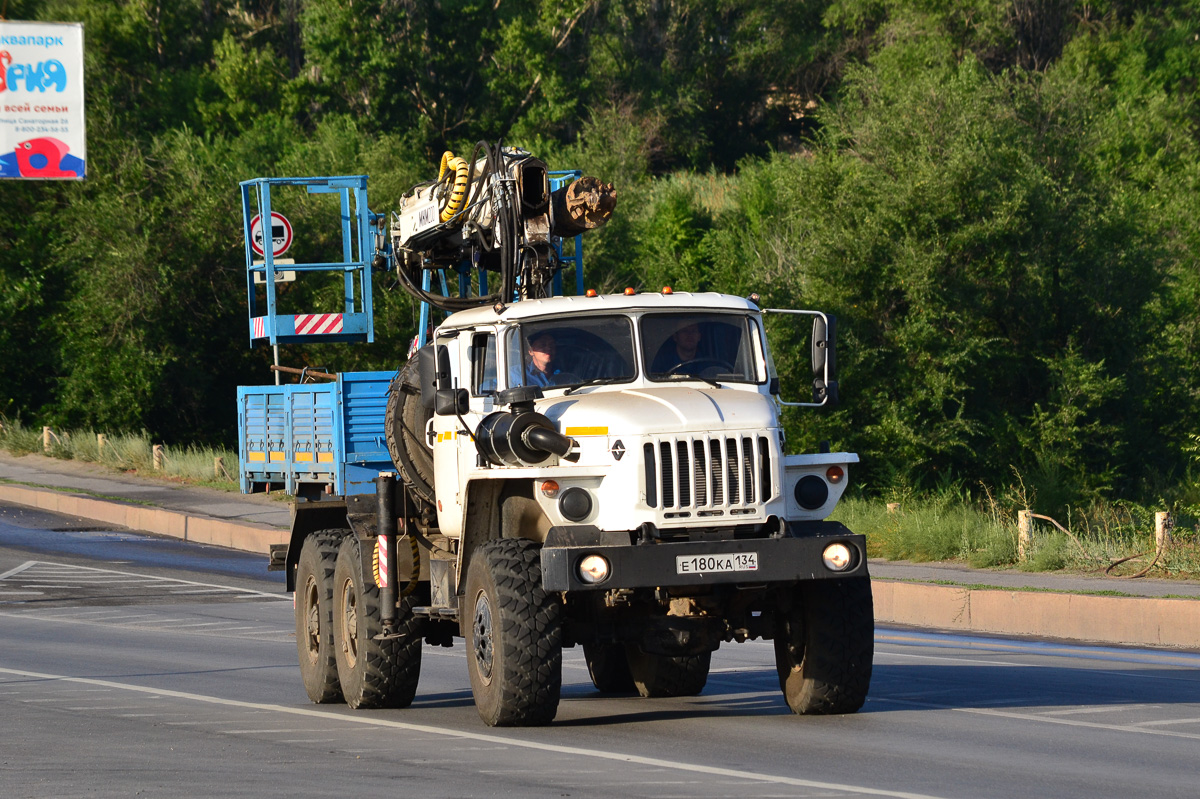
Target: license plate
(716, 564)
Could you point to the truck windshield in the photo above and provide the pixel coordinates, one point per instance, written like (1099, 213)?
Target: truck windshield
(709, 346)
(559, 352)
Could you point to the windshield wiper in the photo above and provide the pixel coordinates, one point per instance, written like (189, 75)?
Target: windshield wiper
(599, 381)
(691, 376)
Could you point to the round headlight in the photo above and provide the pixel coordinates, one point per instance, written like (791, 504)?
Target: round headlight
(838, 557)
(593, 569)
(575, 504)
(811, 492)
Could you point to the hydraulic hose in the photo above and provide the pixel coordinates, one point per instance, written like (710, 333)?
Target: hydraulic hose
(458, 194)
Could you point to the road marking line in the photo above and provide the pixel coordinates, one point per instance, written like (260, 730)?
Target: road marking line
(149, 578)
(1011, 714)
(26, 565)
(1096, 709)
(483, 738)
(1081, 651)
(1165, 722)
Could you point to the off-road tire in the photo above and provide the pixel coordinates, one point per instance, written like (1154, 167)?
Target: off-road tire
(825, 644)
(314, 615)
(609, 668)
(373, 673)
(662, 675)
(404, 423)
(513, 632)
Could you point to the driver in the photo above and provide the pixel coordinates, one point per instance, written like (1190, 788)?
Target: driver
(681, 347)
(539, 367)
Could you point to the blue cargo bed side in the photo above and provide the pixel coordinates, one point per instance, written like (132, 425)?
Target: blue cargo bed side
(315, 434)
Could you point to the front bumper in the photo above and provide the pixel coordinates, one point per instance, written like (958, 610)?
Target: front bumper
(792, 558)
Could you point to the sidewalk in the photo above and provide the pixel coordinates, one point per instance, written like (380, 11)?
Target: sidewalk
(1149, 611)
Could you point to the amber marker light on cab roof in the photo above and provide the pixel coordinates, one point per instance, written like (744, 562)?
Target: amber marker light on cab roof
(667, 290)
(590, 293)
(834, 474)
(629, 292)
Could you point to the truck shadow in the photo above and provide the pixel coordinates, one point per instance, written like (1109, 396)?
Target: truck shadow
(933, 687)
(894, 688)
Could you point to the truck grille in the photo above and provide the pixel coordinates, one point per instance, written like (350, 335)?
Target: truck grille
(708, 475)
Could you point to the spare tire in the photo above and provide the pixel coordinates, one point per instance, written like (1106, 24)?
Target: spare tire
(404, 427)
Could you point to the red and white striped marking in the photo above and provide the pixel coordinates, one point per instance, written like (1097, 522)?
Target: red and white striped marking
(381, 548)
(312, 324)
(260, 327)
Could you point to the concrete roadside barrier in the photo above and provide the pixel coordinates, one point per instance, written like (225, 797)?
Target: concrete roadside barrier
(246, 536)
(1142, 621)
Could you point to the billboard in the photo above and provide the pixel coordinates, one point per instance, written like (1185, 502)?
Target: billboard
(41, 101)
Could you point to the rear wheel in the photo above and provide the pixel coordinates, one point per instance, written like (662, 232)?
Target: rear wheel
(824, 645)
(314, 615)
(662, 675)
(513, 635)
(373, 673)
(609, 668)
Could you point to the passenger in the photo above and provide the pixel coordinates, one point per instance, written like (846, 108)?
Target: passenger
(681, 347)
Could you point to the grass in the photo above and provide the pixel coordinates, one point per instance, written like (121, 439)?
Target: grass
(126, 453)
(85, 492)
(1112, 538)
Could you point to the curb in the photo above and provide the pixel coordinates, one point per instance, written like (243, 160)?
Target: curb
(1142, 621)
(246, 536)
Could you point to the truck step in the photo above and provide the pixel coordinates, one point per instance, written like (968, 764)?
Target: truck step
(436, 612)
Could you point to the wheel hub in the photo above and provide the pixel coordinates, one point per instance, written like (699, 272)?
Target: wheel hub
(350, 624)
(312, 616)
(481, 628)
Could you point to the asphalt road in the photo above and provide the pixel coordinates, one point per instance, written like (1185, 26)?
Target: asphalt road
(138, 666)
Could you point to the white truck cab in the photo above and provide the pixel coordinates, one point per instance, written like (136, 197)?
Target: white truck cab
(672, 435)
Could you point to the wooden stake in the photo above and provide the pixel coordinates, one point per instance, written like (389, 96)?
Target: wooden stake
(1162, 532)
(218, 467)
(46, 439)
(101, 443)
(1024, 534)
(157, 452)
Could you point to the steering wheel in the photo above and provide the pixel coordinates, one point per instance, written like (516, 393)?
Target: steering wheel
(700, 365)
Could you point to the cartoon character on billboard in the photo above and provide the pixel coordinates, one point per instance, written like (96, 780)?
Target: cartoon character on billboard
(44, 157)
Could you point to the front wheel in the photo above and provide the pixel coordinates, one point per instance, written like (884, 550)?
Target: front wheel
(513, 635)
(825, 644)
(373, 673)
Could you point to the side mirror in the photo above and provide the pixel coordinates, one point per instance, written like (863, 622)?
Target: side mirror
(433, 370)
(824, 360)
(452, 402)
(427, 375)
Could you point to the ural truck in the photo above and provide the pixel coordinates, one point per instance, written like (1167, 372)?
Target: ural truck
(546, 471)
